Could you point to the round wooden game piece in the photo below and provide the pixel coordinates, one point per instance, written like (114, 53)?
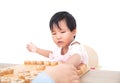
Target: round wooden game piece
(27, 62)
(60, 62)
(40, 67)
(1, 72)
(40, 62)
(9, 71)
(4, 71)
(47, 63)
(34, 73)
(79, 72)
(82, 66)
(5, 80)
(16, 80)
(53, 63)
(28, 79)
(21, 76)
(33, 62)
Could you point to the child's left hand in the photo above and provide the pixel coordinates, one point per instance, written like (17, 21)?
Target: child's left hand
(31, 47)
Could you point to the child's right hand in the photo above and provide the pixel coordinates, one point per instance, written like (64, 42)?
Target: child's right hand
(63, 73)
(31, 47)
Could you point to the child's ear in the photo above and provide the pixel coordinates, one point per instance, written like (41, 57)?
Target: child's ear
(74, 32)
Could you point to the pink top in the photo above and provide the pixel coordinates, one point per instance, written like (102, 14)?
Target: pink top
(73, 49)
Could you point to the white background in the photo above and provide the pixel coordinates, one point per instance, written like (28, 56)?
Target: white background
(24, 21)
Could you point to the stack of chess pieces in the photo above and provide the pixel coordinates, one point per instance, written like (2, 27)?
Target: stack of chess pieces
(29, 70)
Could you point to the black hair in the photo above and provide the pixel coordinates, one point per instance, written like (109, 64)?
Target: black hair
(63, 15)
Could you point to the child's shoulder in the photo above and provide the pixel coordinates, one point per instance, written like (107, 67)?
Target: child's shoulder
(75, 43)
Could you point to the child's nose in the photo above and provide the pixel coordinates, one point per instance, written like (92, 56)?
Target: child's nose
(58, 36)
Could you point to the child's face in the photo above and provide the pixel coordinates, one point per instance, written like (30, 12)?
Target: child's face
(62, 36)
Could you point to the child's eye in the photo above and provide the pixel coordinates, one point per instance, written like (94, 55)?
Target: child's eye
(53, 33)
(63, 32)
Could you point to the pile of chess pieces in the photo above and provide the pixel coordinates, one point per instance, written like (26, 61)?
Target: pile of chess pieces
(26, 72)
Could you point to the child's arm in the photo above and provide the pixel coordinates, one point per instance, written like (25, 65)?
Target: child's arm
(75, 59)
(78, 54)
(33, 48)
(43, 52)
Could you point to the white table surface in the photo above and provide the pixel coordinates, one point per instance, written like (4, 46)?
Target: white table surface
(101, 76)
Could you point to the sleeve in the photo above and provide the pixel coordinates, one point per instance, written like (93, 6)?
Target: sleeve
(43, 78)
(79, 49)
